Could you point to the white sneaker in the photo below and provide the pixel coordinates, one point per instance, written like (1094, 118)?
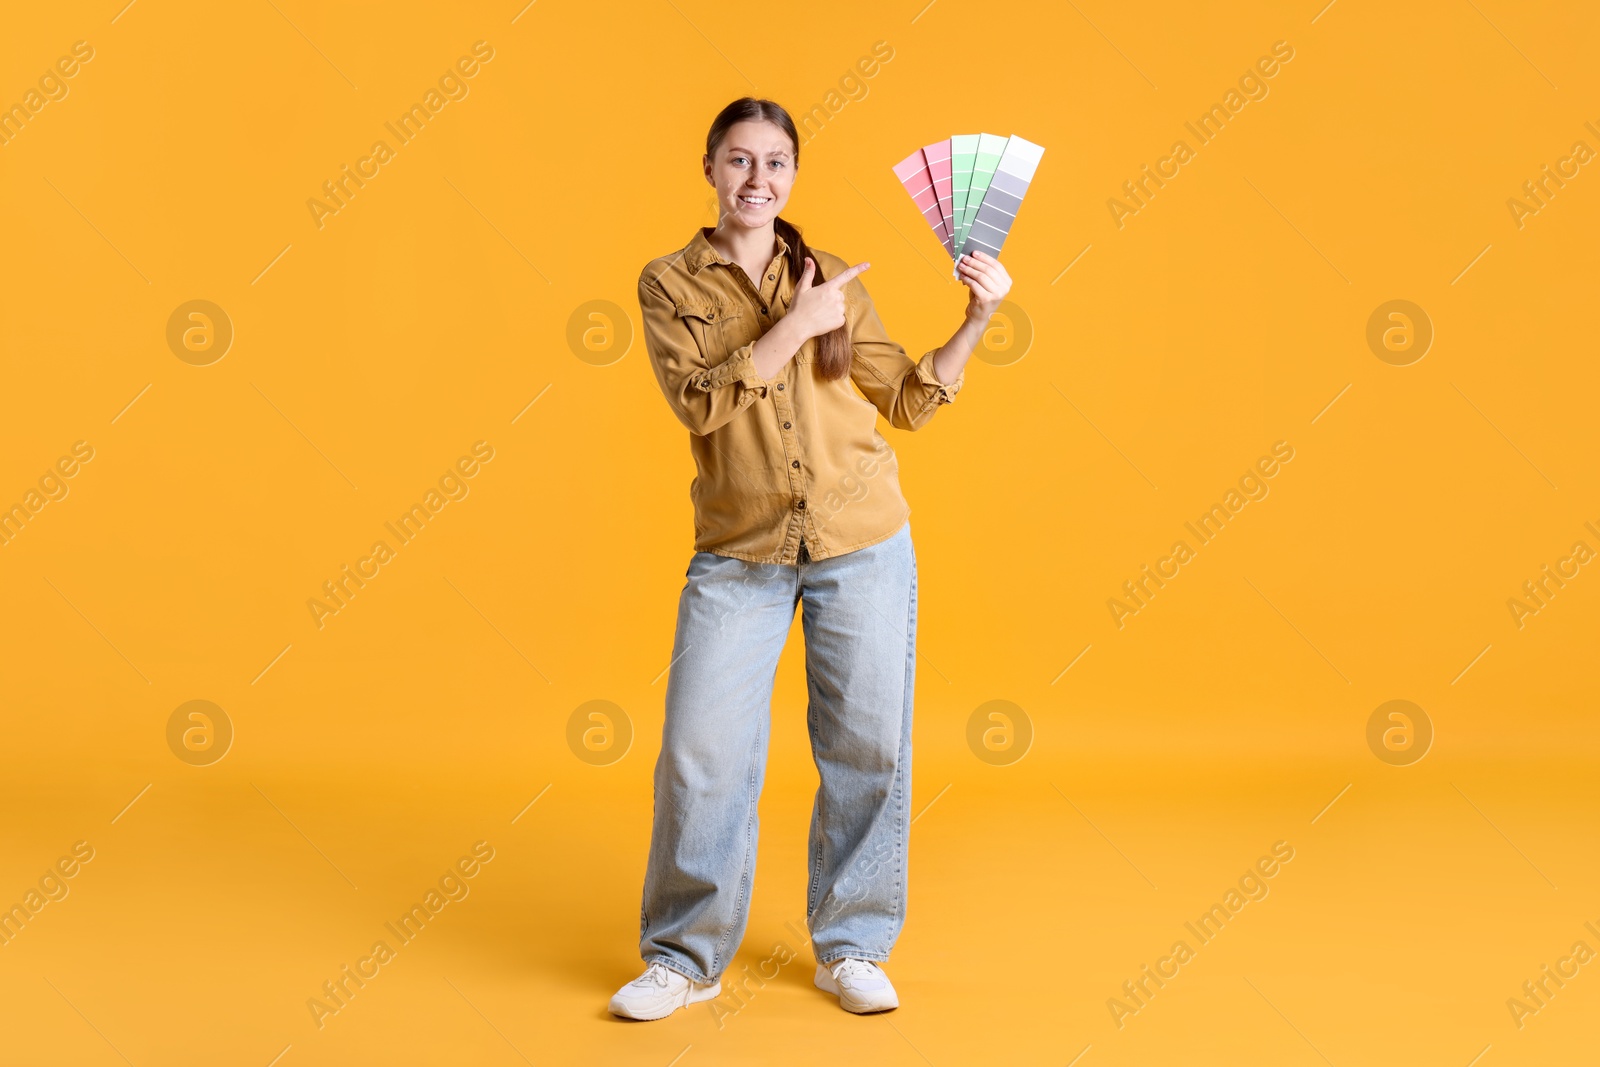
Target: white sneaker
(659, 992)
(860, 985)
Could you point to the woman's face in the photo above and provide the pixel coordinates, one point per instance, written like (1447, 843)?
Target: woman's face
(751, 172)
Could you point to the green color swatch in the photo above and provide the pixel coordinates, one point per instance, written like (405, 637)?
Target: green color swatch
(963, 153)
(990, 148)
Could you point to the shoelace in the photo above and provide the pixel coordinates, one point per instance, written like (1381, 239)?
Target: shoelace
(853, 968)
(655, 974)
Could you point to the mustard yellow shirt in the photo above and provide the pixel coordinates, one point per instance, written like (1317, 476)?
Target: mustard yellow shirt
(795, 456)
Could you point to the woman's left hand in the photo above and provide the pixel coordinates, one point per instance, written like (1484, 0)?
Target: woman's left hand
(988, 281)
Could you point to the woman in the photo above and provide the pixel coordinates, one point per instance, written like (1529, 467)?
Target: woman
(756, 341)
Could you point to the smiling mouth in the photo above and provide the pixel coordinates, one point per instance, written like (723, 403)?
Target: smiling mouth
(755, 201)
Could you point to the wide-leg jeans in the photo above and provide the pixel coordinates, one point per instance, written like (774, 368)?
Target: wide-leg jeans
(859, 617)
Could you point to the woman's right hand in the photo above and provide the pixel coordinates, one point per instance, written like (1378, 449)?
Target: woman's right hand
(819, 309)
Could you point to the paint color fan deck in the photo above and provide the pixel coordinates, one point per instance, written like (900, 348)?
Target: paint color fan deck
(969, 187)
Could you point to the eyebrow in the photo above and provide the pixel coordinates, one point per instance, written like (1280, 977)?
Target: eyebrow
(780, 152)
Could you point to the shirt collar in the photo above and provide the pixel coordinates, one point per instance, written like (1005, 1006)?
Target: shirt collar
(700, 251)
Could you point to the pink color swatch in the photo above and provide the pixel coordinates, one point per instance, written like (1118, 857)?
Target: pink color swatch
(914, 175)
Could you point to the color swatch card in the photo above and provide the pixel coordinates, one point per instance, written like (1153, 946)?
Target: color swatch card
(963, 154)
(913, 174)
(938, 157)
(969, 188)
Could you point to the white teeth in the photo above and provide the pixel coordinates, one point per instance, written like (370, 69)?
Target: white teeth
(755, 201)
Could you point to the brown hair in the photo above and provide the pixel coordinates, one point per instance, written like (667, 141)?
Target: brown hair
(833, 348)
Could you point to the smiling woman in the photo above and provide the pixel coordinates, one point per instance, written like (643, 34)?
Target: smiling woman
(773, 357)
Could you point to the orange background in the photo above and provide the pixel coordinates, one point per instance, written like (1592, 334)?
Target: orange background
(432, 312)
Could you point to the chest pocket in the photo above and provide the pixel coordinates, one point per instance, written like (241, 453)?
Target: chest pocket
(715, 325)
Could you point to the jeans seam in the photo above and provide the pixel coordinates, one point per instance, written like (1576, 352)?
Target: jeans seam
(816, 815)
(855, 954)
(902, 823)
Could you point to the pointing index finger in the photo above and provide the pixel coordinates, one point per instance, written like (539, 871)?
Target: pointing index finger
(844, 276)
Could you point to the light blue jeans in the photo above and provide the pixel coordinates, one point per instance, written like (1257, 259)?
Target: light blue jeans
(859, 620)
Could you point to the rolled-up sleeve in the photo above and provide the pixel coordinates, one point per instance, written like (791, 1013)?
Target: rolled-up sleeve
(703, 397)
(907, 393)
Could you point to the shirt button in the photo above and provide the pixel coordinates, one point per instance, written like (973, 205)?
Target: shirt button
(763, 311)
(771, 277)
(786, 426)
(780, 386)
(796, 463)
(801, 505)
